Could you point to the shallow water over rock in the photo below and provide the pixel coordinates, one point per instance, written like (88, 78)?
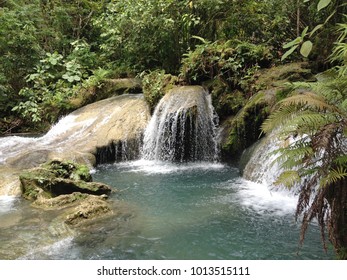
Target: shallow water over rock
(104, 131)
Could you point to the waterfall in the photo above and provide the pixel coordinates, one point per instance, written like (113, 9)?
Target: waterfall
(182, 128)
(261, 166)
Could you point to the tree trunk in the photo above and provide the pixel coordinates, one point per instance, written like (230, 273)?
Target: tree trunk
(337, 198)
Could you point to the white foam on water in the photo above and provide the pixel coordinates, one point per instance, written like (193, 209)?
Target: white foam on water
(260, 198)
(7, 203)
(52, 250)
(164, 167)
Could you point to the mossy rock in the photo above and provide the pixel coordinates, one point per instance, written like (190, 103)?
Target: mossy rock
(59, 178)
(111, 87)
(61, 201)
(156, 84)
(227, 102)
(241, 131)
(277, 76)
(108, 88)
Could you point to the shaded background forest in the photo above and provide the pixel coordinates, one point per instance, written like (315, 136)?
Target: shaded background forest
(52, 50)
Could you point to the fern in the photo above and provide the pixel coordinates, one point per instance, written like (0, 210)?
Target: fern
(309, 100)
(294, 156)
(279, 117)
(341, 160)
(334, 175)
(288, 179)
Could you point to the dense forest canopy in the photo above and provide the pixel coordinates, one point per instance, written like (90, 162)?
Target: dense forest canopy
(52, 51)
(51, 48)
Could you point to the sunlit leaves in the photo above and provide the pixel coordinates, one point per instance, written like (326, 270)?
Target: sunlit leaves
(306, 48)
(288, 178)
(322, 4)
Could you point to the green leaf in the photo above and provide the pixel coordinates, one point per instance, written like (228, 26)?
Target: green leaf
(319, 26)
(288, 178)
(322, 4)
(304, 32)
(288, 52)
(306, 48)
(204, 41)
(296, 41)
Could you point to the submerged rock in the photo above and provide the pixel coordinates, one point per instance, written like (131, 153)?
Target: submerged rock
(90, 208)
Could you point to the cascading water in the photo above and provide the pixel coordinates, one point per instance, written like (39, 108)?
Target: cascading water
(177, 209)
(105, 131)
(261, 166)
(182, 128)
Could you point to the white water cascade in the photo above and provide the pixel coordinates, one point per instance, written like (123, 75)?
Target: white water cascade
(261, 167)
(182, 128)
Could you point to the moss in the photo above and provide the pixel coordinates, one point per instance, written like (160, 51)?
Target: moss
(155, 85)
(245, 128)
(226, 101)
(59, 178)
(111, 87)
(69, 169)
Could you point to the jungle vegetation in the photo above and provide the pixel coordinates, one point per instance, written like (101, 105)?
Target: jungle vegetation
(52, 50)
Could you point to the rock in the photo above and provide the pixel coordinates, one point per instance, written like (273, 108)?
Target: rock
(108, 88)
(182, 127)
(59, 178)
(97, 133)
(90, 208)
(111, 87)
(61, 201)
(241, 131)
(9, 181)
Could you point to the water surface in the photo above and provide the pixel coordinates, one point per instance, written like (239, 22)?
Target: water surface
(168, 211)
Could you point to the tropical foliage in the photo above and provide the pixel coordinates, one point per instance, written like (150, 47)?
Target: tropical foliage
(315, 115)
(51, 50)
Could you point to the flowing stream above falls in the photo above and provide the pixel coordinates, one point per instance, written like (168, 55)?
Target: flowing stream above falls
(176, 202)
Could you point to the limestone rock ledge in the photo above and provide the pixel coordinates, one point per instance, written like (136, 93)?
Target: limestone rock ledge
(67, 186)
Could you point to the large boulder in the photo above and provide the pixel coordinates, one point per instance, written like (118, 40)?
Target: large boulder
(239, 131)
(66, 186)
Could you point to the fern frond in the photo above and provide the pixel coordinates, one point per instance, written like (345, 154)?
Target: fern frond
(310, 100)
(341, 160)
(294, 155)
(334, 175)
(288, 178)
(279, 117)
(308, 122)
